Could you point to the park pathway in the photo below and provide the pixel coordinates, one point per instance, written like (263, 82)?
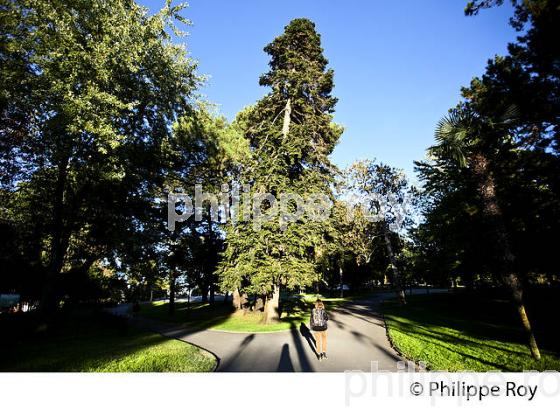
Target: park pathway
(357, 340)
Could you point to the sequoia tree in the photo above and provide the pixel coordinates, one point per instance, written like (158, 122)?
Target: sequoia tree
(291, 134)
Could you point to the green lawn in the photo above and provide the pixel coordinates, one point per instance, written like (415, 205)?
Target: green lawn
(459, 332)
(98, 346)
(221, 316)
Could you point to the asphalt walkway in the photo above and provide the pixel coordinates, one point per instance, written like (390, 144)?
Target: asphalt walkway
(357, 340)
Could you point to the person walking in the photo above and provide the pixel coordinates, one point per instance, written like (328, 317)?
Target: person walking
(318, 323)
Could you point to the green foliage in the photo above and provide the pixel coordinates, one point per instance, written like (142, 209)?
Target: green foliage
(290, 133)
(85, 128)
(209, 152)
(382, 217)
(508, 118)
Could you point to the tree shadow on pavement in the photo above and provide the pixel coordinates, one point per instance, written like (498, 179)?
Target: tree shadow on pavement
(230, 364)
(303, 360)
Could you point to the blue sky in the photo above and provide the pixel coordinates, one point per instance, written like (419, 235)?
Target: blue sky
(399, 65)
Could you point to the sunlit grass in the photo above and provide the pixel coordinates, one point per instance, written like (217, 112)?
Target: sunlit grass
(96, 348)
(220, 316)
(440, 331)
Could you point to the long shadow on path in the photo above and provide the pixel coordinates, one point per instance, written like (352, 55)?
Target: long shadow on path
(227, 365)
(304, 362)
(285, 363)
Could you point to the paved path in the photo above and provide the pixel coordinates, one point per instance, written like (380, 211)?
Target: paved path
(356, 338)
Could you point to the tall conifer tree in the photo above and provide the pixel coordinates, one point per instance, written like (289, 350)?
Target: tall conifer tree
(291, 134)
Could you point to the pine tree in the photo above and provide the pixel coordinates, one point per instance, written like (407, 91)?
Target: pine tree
(291, 134)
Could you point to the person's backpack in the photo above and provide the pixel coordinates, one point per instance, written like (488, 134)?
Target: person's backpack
(318, 319)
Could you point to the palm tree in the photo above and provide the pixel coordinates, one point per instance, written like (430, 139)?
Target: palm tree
(466, 138)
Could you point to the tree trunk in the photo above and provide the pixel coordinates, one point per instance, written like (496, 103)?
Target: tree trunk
(512, 281)
(259, 303)
(171, 293)
(493, 212)
(396, 274)
(59, 243)
(238, 299)
(210, 265)
(272, 306)
(287, 118)
(244, 300)
(341, 281)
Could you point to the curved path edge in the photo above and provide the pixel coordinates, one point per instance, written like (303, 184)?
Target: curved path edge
(357, 340)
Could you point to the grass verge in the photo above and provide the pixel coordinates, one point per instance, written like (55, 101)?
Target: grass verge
(103, 346)
(462, 333)
(219, 316)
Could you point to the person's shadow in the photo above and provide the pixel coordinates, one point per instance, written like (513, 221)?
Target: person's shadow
(306, 333)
